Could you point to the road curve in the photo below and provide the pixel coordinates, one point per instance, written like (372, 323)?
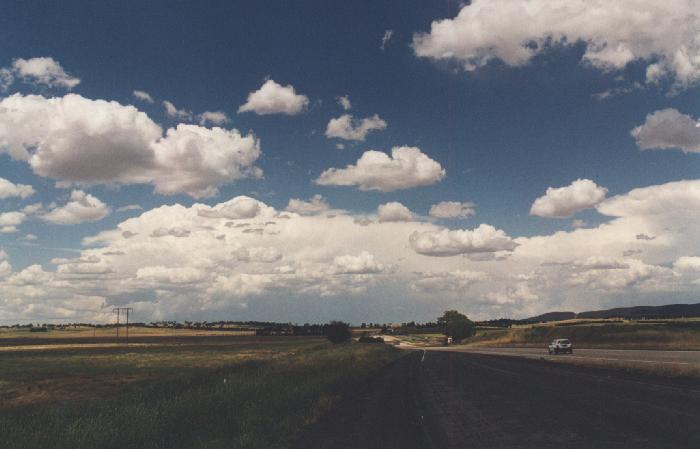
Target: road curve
(446, 399)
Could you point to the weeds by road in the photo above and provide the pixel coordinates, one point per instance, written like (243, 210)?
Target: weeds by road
(241, 396)
(689, 373)
(667, 335)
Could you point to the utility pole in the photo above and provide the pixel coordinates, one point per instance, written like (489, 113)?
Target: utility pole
(126, 310)
(117, 310)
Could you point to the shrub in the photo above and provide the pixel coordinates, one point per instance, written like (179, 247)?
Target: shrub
(338, 332)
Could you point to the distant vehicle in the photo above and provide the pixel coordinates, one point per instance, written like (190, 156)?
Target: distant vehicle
(561, 346)
(447, 341)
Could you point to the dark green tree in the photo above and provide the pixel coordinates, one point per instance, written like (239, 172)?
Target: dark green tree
(337, 332)
(456, 325)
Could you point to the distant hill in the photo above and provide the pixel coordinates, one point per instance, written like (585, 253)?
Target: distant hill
(553, 316)
(636, 312)
(668, 311)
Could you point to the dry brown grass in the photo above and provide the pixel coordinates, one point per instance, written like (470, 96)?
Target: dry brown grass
(258, 393)
(667, 335)
(31, 374)
(110, 332)
(64, 389)
(668, 370)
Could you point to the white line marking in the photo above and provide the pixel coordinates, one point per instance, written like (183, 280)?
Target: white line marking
(422, 359)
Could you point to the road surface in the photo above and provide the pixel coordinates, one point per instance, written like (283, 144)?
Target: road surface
(444, 400)
(687, 358)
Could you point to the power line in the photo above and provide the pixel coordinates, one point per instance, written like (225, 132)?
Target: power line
(118, 311)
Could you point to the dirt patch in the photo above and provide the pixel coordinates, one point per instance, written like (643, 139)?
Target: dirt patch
(191, 339)
(54, 347)
(64, 389)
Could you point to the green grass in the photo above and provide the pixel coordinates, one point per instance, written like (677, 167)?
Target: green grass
(216, 397)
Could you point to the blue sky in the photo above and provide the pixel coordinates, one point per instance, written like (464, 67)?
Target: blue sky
(504, 131)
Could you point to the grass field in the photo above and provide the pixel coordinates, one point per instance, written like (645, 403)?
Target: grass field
(628, 334)
(248, 393)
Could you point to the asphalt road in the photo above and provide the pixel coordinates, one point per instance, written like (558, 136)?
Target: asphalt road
(687, 358)
(444, 400)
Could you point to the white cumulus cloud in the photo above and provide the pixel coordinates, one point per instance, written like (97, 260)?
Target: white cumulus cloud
(273, 98)
(170, 275)
(213, 260)
(344, 102)
(602, 263)
(202, 159)
(315, 205)
(668, 129)
(6, 79)
(452, 209)
(44, 70)
(407, 167)
(662, 35)
(80, 208)
(363, 263)
(143, 96)
(257, 254)
(213, 117)
(10, 220)
(388, 34)
(445, 242)
(615, 275)
(174, 112)
(456, 281)
(563, 202)
(240, 207)
(129, 207)
(77, 140)
(690, 264)
(9, 189)
(345, 127)
(394, 211)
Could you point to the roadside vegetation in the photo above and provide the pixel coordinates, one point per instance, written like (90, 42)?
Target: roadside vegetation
(681, 374)
(456, 325)
(338, 332)
(259, 393)
(676, 334)
(661, 334)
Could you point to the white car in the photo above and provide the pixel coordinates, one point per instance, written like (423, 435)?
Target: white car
(561, 345)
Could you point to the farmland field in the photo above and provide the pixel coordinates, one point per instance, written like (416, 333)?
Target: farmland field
(204, 392)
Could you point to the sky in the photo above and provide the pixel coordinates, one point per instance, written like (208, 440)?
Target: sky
(366, 161)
